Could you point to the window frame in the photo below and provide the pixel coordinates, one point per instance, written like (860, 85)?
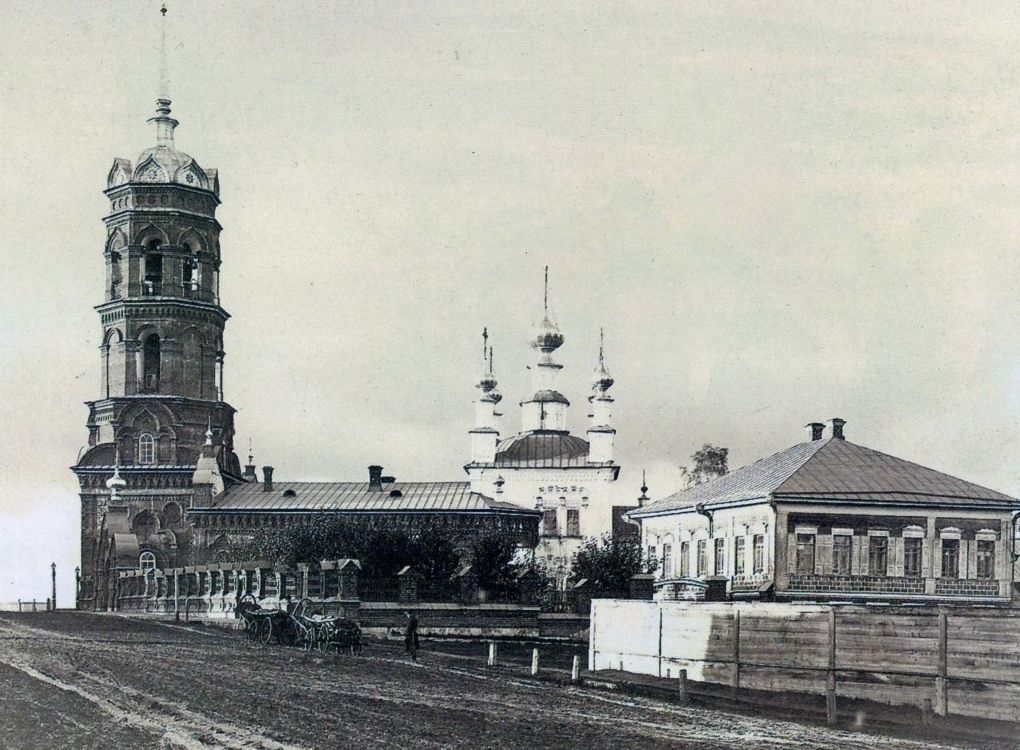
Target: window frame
(685, 559)
(146, 449)
(878, 555)
(840, 556)
(667, 560)
(984, 559)
(758, 554)
(739, 556)
(702, 559)
(950, 543)
(805, 541)
(143, 558)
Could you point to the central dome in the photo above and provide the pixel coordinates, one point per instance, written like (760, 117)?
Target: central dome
(542, 449)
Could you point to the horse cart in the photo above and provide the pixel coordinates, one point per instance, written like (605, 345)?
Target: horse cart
(292, 625)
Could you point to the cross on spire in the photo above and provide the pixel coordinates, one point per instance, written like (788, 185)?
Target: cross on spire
(164, 82)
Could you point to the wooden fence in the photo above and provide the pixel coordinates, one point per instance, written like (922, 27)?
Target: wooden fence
(966, 661)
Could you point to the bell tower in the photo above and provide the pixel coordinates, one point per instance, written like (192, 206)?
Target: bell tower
(161, 401)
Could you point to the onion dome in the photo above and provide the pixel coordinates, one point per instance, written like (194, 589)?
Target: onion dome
(601, 380)
(547, 335)
(487, 380)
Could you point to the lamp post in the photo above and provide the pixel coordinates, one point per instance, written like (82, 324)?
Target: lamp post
(53, 582)
(77, 587)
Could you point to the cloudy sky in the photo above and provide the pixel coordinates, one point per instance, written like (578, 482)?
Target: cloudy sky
(779, 212)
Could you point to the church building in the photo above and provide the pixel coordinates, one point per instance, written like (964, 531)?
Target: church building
(569, 479)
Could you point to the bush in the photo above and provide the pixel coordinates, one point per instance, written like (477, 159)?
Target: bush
(609, 563)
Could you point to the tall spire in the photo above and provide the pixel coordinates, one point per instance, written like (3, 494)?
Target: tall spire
(165, 124)
(164, 81)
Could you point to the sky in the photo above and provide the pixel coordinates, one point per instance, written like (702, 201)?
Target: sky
(780, 213)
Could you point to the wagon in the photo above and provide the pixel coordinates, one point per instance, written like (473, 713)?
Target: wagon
(262, 625)
(332, 634)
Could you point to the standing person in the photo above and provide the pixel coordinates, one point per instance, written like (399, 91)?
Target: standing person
(411, 635)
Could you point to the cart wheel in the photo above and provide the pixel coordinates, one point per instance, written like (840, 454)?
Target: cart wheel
(251, 630)
(265, 632)
(308, 641)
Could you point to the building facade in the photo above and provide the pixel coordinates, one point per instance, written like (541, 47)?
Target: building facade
(831, 520)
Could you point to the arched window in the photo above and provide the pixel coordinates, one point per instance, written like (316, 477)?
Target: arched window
(150, 358)
(153, 268)
(147, 561)
(146, 449)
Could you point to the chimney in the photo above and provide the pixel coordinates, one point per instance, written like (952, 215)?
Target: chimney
(249, 473)
(837, 428)
(817, 430)
(375, 477)
(267, 478)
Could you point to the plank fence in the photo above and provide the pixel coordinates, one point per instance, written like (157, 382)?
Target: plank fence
(966, 661)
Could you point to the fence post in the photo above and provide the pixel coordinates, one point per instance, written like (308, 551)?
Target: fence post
(682, 695)
(830, 677)
(534, 662)
(941, 686)
(492, 654)
(575, 669)
(736, 648)
(19, 605)
(926, 713)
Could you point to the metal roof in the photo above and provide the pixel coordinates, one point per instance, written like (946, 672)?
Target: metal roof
(434, 497)
(833, 470)
(542, 449)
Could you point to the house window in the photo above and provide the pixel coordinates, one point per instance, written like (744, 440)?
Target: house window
(738, 556)
(806, 553)
(985, 559)
(685, 559)
(878, 555)
(549, 525)
(651, 554)
(912, 556)
(758, 553)
(147, 561)
(573, 522)
(146, 449)
(842, 554)
(720, 557)
(950, 558)
(667, 561)
(702, 556)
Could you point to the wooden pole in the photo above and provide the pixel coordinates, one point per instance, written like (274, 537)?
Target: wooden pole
(682, 694)
(926, 713)
(941, 686)
(575, 669)
(736, 648)
(492, 654)
(534, 662)
(830, 679)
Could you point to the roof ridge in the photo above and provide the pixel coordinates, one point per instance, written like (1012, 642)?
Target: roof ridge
(906, 462)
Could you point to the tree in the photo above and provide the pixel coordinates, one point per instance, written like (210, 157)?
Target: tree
(609, 563)
(708, 463)
(382, 549)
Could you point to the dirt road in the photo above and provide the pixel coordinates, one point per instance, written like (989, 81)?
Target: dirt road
(70, 680)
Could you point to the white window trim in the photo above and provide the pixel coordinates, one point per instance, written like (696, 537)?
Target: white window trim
(986, 535)
(914, 532)
(878, 532)
(950, 532)
(842, 532)
(805, 530)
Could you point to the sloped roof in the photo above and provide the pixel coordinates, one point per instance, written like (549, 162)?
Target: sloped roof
(435, 497)
(834, 470)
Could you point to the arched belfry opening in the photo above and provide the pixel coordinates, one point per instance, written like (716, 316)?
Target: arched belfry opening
(151, 363)
(153, 282)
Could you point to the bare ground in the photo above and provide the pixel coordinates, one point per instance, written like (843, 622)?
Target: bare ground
(74, 680)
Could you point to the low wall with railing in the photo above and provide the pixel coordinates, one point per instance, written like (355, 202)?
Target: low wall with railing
(454, 607)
